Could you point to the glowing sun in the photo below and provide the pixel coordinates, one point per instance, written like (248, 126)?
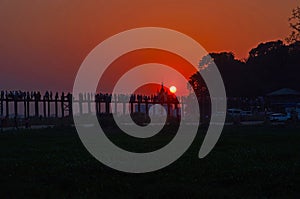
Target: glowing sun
(173, 89)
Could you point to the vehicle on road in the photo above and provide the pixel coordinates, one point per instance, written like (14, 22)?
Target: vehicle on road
(298, 110)
(234, 112)
(279, 117)
(246, 113)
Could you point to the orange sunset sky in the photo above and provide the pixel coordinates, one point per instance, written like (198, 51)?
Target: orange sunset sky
(43, 43)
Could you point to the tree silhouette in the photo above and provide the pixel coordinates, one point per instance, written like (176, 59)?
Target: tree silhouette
(294, 21)
(232, 71)
(271, 65)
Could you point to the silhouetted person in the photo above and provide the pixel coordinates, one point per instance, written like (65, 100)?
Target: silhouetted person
(47, 95)
(28, 97)
(69, 96)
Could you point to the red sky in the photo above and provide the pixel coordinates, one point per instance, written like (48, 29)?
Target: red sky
(42, 43)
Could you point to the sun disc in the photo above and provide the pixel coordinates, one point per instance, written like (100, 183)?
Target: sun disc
(173, 89)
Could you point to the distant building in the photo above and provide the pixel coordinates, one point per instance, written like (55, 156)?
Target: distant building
(162, 95)
(283, 98)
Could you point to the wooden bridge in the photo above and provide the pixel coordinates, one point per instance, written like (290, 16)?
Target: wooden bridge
(33, 104)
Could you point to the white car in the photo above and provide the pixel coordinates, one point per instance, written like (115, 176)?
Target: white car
(234, 112)
(279, 117)
(246, 113)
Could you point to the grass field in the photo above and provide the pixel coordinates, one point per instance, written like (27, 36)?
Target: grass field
(247, 162)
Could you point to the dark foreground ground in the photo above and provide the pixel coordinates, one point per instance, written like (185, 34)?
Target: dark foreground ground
(247, 162)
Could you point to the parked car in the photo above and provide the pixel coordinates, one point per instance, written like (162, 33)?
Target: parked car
(246, 113)
(279, 117)
(234, 112)
(298, 110)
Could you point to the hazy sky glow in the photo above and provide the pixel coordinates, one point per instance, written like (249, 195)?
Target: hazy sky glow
(42, 43)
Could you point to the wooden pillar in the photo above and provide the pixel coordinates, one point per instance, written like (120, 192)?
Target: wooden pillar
(97, 98)
(124, 108)
(89, 103)
(107, 107)
(116, 104)
(28, 107)
(36, 107)
(70, 104)
(16, 106)
(1, 105)
(56, 107)
(182, 107)
(44, 107)
(62, 105)
(7, 107)
(147, 108)
(162, 109)
(25, 107)
(131, 107)
(80, 103)
(139, 106)
(48, 103)
(177, 110)
(99, 106)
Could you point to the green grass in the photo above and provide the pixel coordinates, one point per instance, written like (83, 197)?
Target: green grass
(247, 162)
